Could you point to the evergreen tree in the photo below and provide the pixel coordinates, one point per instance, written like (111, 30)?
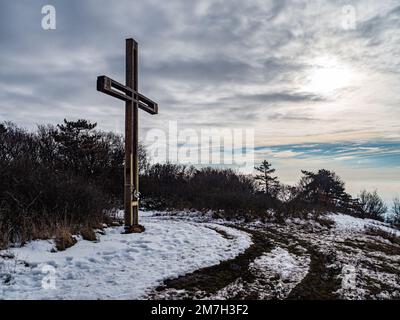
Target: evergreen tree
(78, 145)
(3, 128)
(265, 178)
(324, 187)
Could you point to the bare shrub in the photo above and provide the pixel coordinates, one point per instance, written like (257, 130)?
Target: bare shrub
(67, 175)
(64, 239)
(233, 195)
(88, 233)
(378, 232)
(396, 212)
(372, 205)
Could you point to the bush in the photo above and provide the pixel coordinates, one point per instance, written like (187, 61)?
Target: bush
(88, 233)
(372, 206)
(396, 212)
(66, 176)
(232, 194)
(64, 239)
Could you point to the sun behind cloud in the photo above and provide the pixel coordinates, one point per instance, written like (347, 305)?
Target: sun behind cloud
(328, 75)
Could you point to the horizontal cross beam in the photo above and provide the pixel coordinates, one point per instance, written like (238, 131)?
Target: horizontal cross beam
(122, 92)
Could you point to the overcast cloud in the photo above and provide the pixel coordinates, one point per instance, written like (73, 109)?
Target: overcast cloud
(288, 69)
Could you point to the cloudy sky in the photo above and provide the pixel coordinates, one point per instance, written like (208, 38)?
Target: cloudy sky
(318, 81)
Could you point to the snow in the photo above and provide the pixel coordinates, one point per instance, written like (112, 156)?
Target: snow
(351, 286)
(348, 223)
(176, 243)
(119, 266)
(285, 268)
(282, 263)
(276, 274)
(353, 278)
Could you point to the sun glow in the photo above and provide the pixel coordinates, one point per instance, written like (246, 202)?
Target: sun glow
(328, 75)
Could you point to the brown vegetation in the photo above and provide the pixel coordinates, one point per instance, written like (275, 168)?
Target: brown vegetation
(88, 233)
(64, 239)
(72, 175)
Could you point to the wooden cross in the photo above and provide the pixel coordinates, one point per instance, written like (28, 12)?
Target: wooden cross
(133, 100)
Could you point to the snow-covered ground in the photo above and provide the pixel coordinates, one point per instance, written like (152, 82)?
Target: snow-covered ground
(281, 270)
(352, 259)
(372, 263)
(338, 256)
(119, 266)
(346, 223)
(286, 269)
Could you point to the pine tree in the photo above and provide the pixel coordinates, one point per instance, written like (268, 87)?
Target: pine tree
(265, 178)
(3, 128)
(78, 145)
(324, 187)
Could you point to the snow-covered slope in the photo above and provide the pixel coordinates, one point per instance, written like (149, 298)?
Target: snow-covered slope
(330, 257)
(118, 266)
(346, 223)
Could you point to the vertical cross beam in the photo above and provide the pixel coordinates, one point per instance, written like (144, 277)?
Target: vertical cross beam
(133, 100)
(131, 191)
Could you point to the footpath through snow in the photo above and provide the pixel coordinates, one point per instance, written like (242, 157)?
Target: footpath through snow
(334, 257)
(118, 266)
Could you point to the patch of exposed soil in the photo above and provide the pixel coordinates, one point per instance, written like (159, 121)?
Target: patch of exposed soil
(322, 280)
(341, 266)
(208, 281)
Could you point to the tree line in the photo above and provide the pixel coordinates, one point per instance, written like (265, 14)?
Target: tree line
(70, 177)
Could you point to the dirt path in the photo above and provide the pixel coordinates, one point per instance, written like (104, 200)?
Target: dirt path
(321, 281)
(332, 257)
(207, 281)
(237, 281)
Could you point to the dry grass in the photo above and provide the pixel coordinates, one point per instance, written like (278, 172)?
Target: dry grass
(326, 222)
(88, 233)
(26, 229)
(64, 239)
(377, 232)
(3, 240)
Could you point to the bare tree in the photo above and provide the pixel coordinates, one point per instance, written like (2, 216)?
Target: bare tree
(372, 205)
(287, 193)
(396, 211)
